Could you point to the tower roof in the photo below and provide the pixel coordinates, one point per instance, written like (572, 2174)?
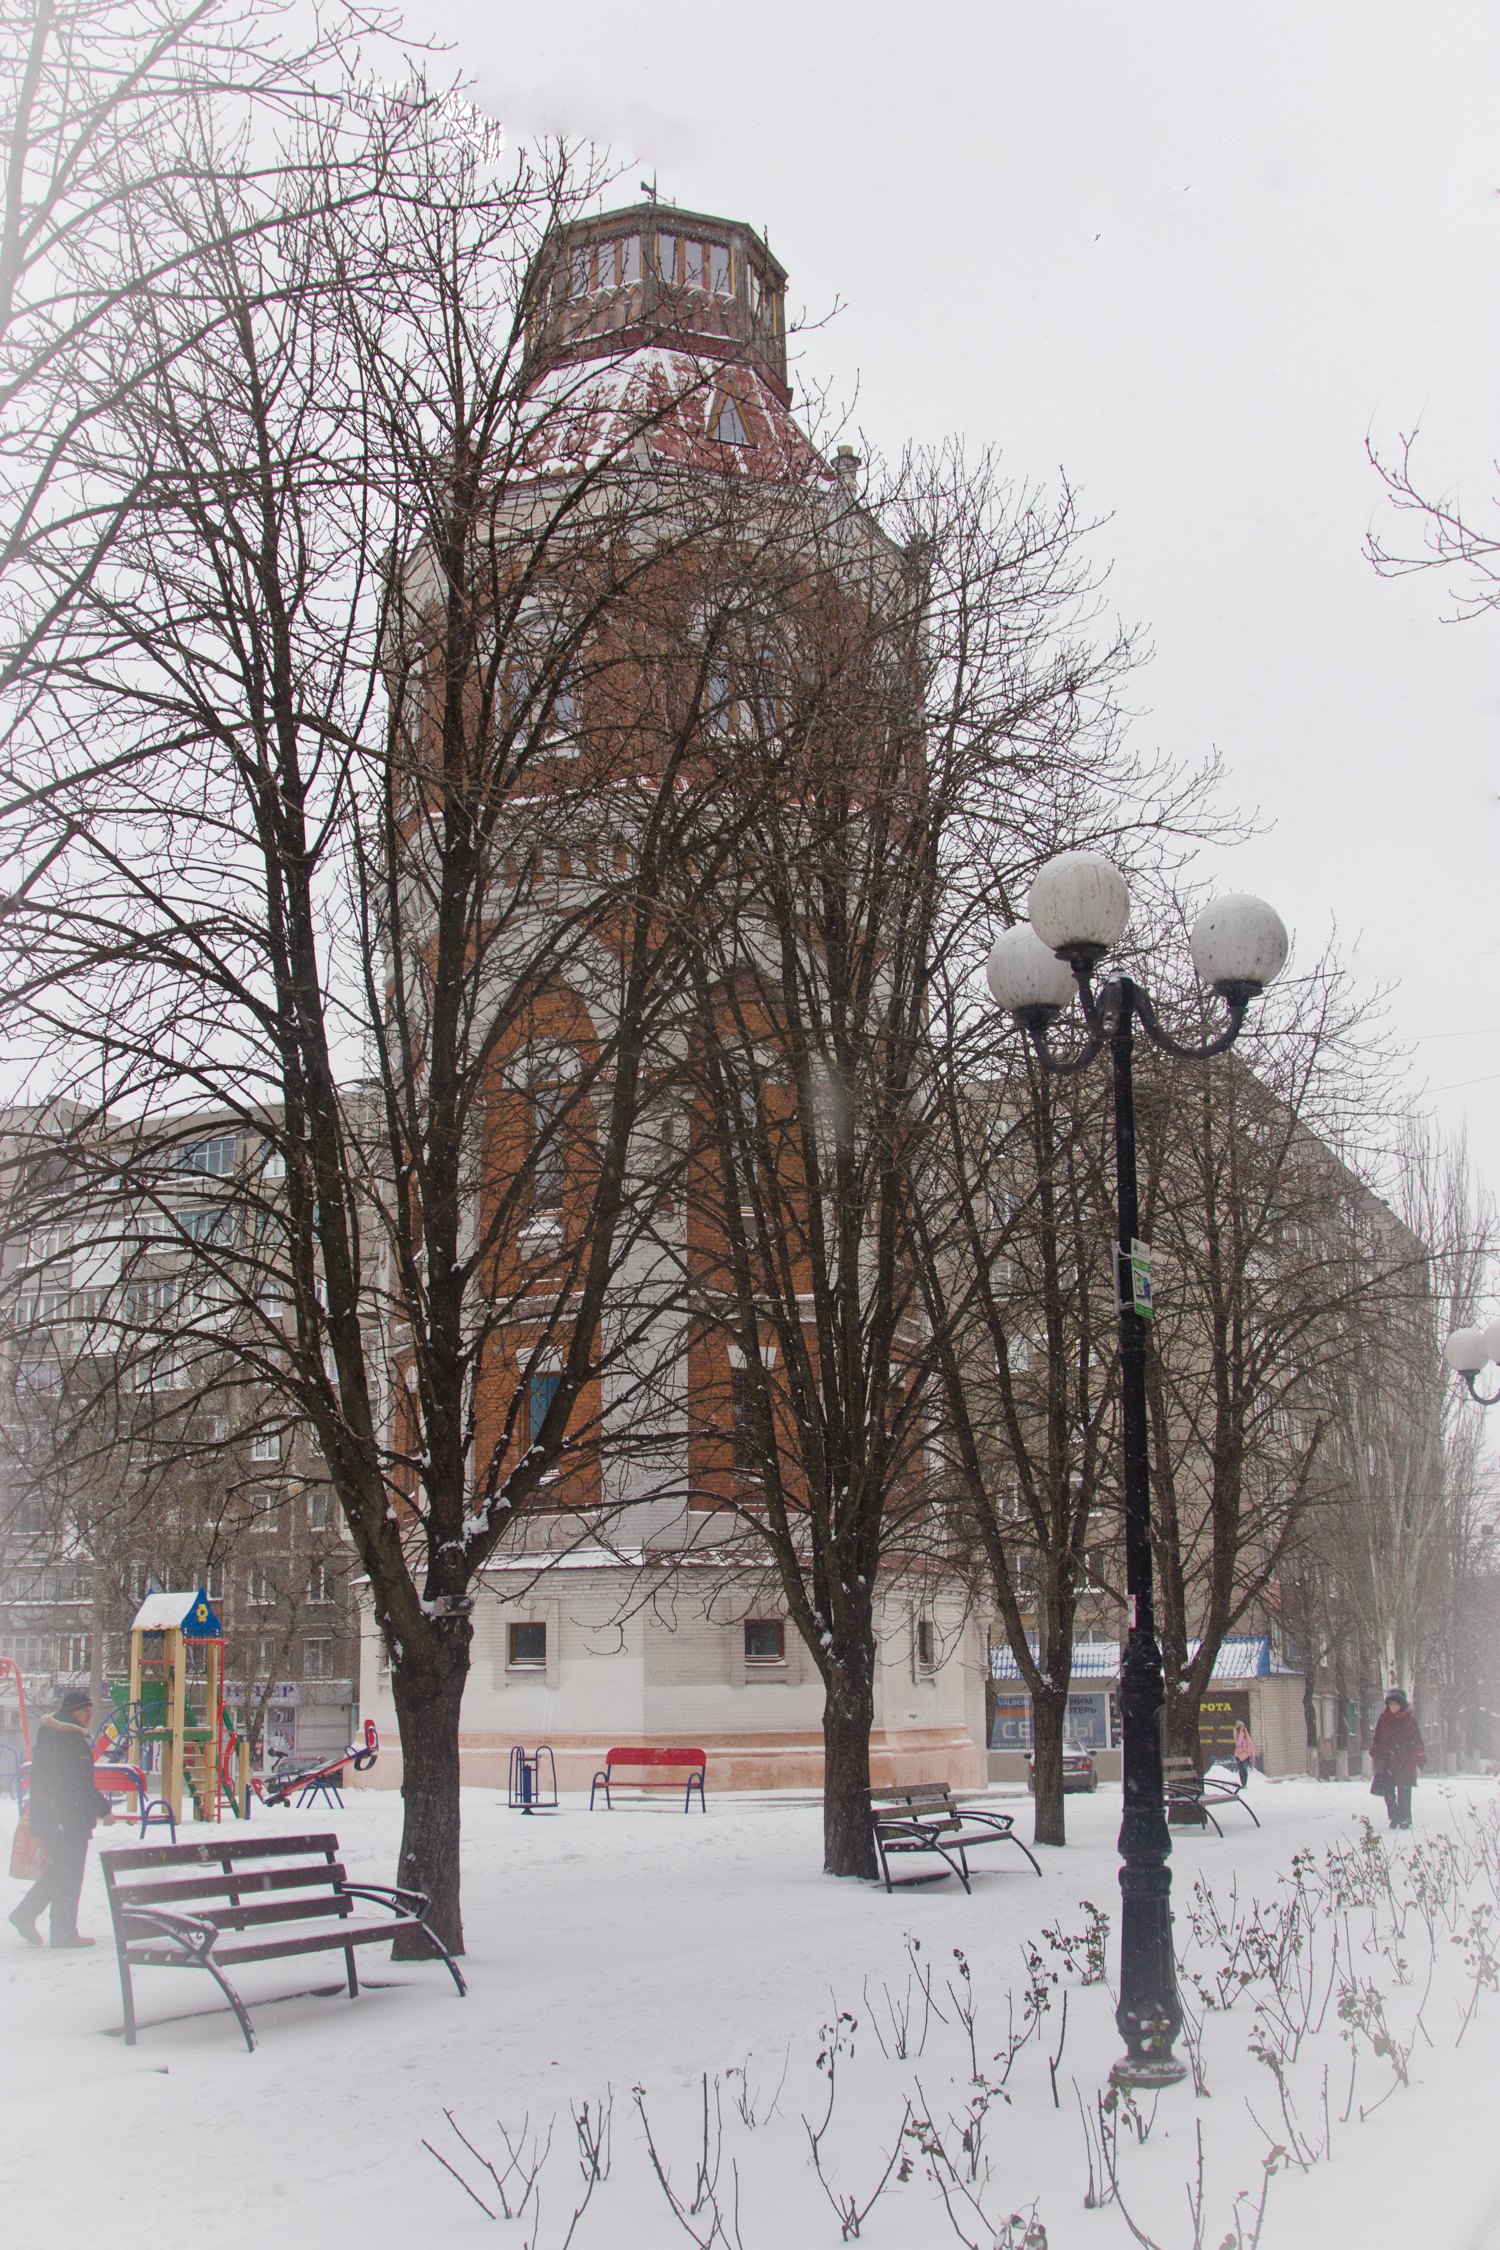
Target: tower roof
(654, 275)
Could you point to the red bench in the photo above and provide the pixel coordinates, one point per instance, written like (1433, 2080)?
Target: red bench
(644, 1758)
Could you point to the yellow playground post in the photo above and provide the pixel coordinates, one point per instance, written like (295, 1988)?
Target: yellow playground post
(177, 1699)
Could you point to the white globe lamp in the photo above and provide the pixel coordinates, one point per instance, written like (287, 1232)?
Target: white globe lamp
(1079, 906)
(1239, 945)
(1026, 978)
(1467, 1350)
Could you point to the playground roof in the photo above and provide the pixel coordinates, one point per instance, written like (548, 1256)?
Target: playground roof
(191, 1614)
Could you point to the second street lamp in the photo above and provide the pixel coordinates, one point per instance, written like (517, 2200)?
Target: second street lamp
(1079, 906)
(1468, 1352)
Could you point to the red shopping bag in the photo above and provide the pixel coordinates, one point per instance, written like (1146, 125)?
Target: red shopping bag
(28, 1855)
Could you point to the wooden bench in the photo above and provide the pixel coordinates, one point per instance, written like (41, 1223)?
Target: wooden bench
(1192, 1796)
(926, 1817)
(647, 1758)
(209, 1906)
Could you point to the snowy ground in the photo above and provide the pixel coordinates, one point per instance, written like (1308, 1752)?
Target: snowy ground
(648, 1950)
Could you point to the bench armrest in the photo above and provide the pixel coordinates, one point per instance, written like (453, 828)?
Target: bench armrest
(190, 1930)
(1002, 1822)
(399, 1902)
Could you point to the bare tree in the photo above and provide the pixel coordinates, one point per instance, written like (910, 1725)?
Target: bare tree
(1270, 1252)
(377, 876)
(1452, 541)
(929, 688)
(1411, 1495)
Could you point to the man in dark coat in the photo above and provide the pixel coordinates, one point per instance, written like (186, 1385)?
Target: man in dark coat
(61, 1810)
(1396, 1751)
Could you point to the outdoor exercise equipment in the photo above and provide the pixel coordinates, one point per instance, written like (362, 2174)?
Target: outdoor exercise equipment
(530, 1789)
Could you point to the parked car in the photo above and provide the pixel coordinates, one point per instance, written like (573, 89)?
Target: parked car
(1079, 1770)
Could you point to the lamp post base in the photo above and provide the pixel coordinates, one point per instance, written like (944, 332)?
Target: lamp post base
(1150, 2071)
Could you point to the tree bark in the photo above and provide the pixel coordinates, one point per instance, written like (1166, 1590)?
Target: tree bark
(1049, 1719)
(427, 1688)
(1180, 1724)
(848, 1715)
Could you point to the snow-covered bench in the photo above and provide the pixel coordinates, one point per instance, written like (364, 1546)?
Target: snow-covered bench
(210, 1906)
(926, 1817)
(1192, 1796)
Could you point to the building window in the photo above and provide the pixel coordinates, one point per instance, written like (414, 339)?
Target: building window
(926, 1645)
(213, 1582)
(683, 263)
(320, 1586)
(266, 1445)
(611, 264)
(746, 1443)
(727, 422)
(73, 1652)
(765, 1640)
(260, 1592)
(320, 1511)
(541, 1390)
(205, 1222)
(214, 1158)
(266, 1654)
(216, 1429)
(317, 1658)
(526, 1648)
(548, 1106)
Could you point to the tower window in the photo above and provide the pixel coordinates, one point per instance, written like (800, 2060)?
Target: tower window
(728, 424)
(611, 264)
(548, 1157)
(720, 269)
(541, 1390)
(746, 1442)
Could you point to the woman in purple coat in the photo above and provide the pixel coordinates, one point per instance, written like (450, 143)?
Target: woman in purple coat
(1396, 1751)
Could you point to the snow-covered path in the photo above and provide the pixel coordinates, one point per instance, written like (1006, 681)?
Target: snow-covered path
(647, 1948)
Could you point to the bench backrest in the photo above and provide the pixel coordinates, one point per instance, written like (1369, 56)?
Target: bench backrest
(1181, 1773)
(237, 1884)
(919, 1796)
(655, 1754)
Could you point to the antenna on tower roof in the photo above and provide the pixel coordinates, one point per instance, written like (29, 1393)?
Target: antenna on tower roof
(650, 188)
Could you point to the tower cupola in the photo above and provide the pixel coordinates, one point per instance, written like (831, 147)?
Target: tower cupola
(654, 275)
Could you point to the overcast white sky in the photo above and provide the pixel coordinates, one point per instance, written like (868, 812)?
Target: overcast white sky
(1194, 253)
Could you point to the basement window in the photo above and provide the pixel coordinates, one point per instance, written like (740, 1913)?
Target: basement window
(765, 1640)
(526, 1648)
(926, 1645)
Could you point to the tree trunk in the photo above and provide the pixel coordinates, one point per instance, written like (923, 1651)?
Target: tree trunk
(1180, 1724)
(1049, 1720)
(848, 1715)
(428, 1689)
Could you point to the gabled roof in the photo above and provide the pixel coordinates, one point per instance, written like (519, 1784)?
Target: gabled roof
(192, 1615)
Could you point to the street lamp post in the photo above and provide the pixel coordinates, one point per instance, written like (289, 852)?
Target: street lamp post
(1468, 1352)
(1079, 906)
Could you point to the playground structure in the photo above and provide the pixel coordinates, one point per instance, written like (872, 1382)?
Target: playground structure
(173, 1717)
(14, 1755)
(166, 1734)
(319, 1778)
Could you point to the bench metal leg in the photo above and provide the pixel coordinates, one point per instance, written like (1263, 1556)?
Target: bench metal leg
(353, 1973)
(127, 1997)
(453, 1969)
(1020, 1847)
(241, 2012)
